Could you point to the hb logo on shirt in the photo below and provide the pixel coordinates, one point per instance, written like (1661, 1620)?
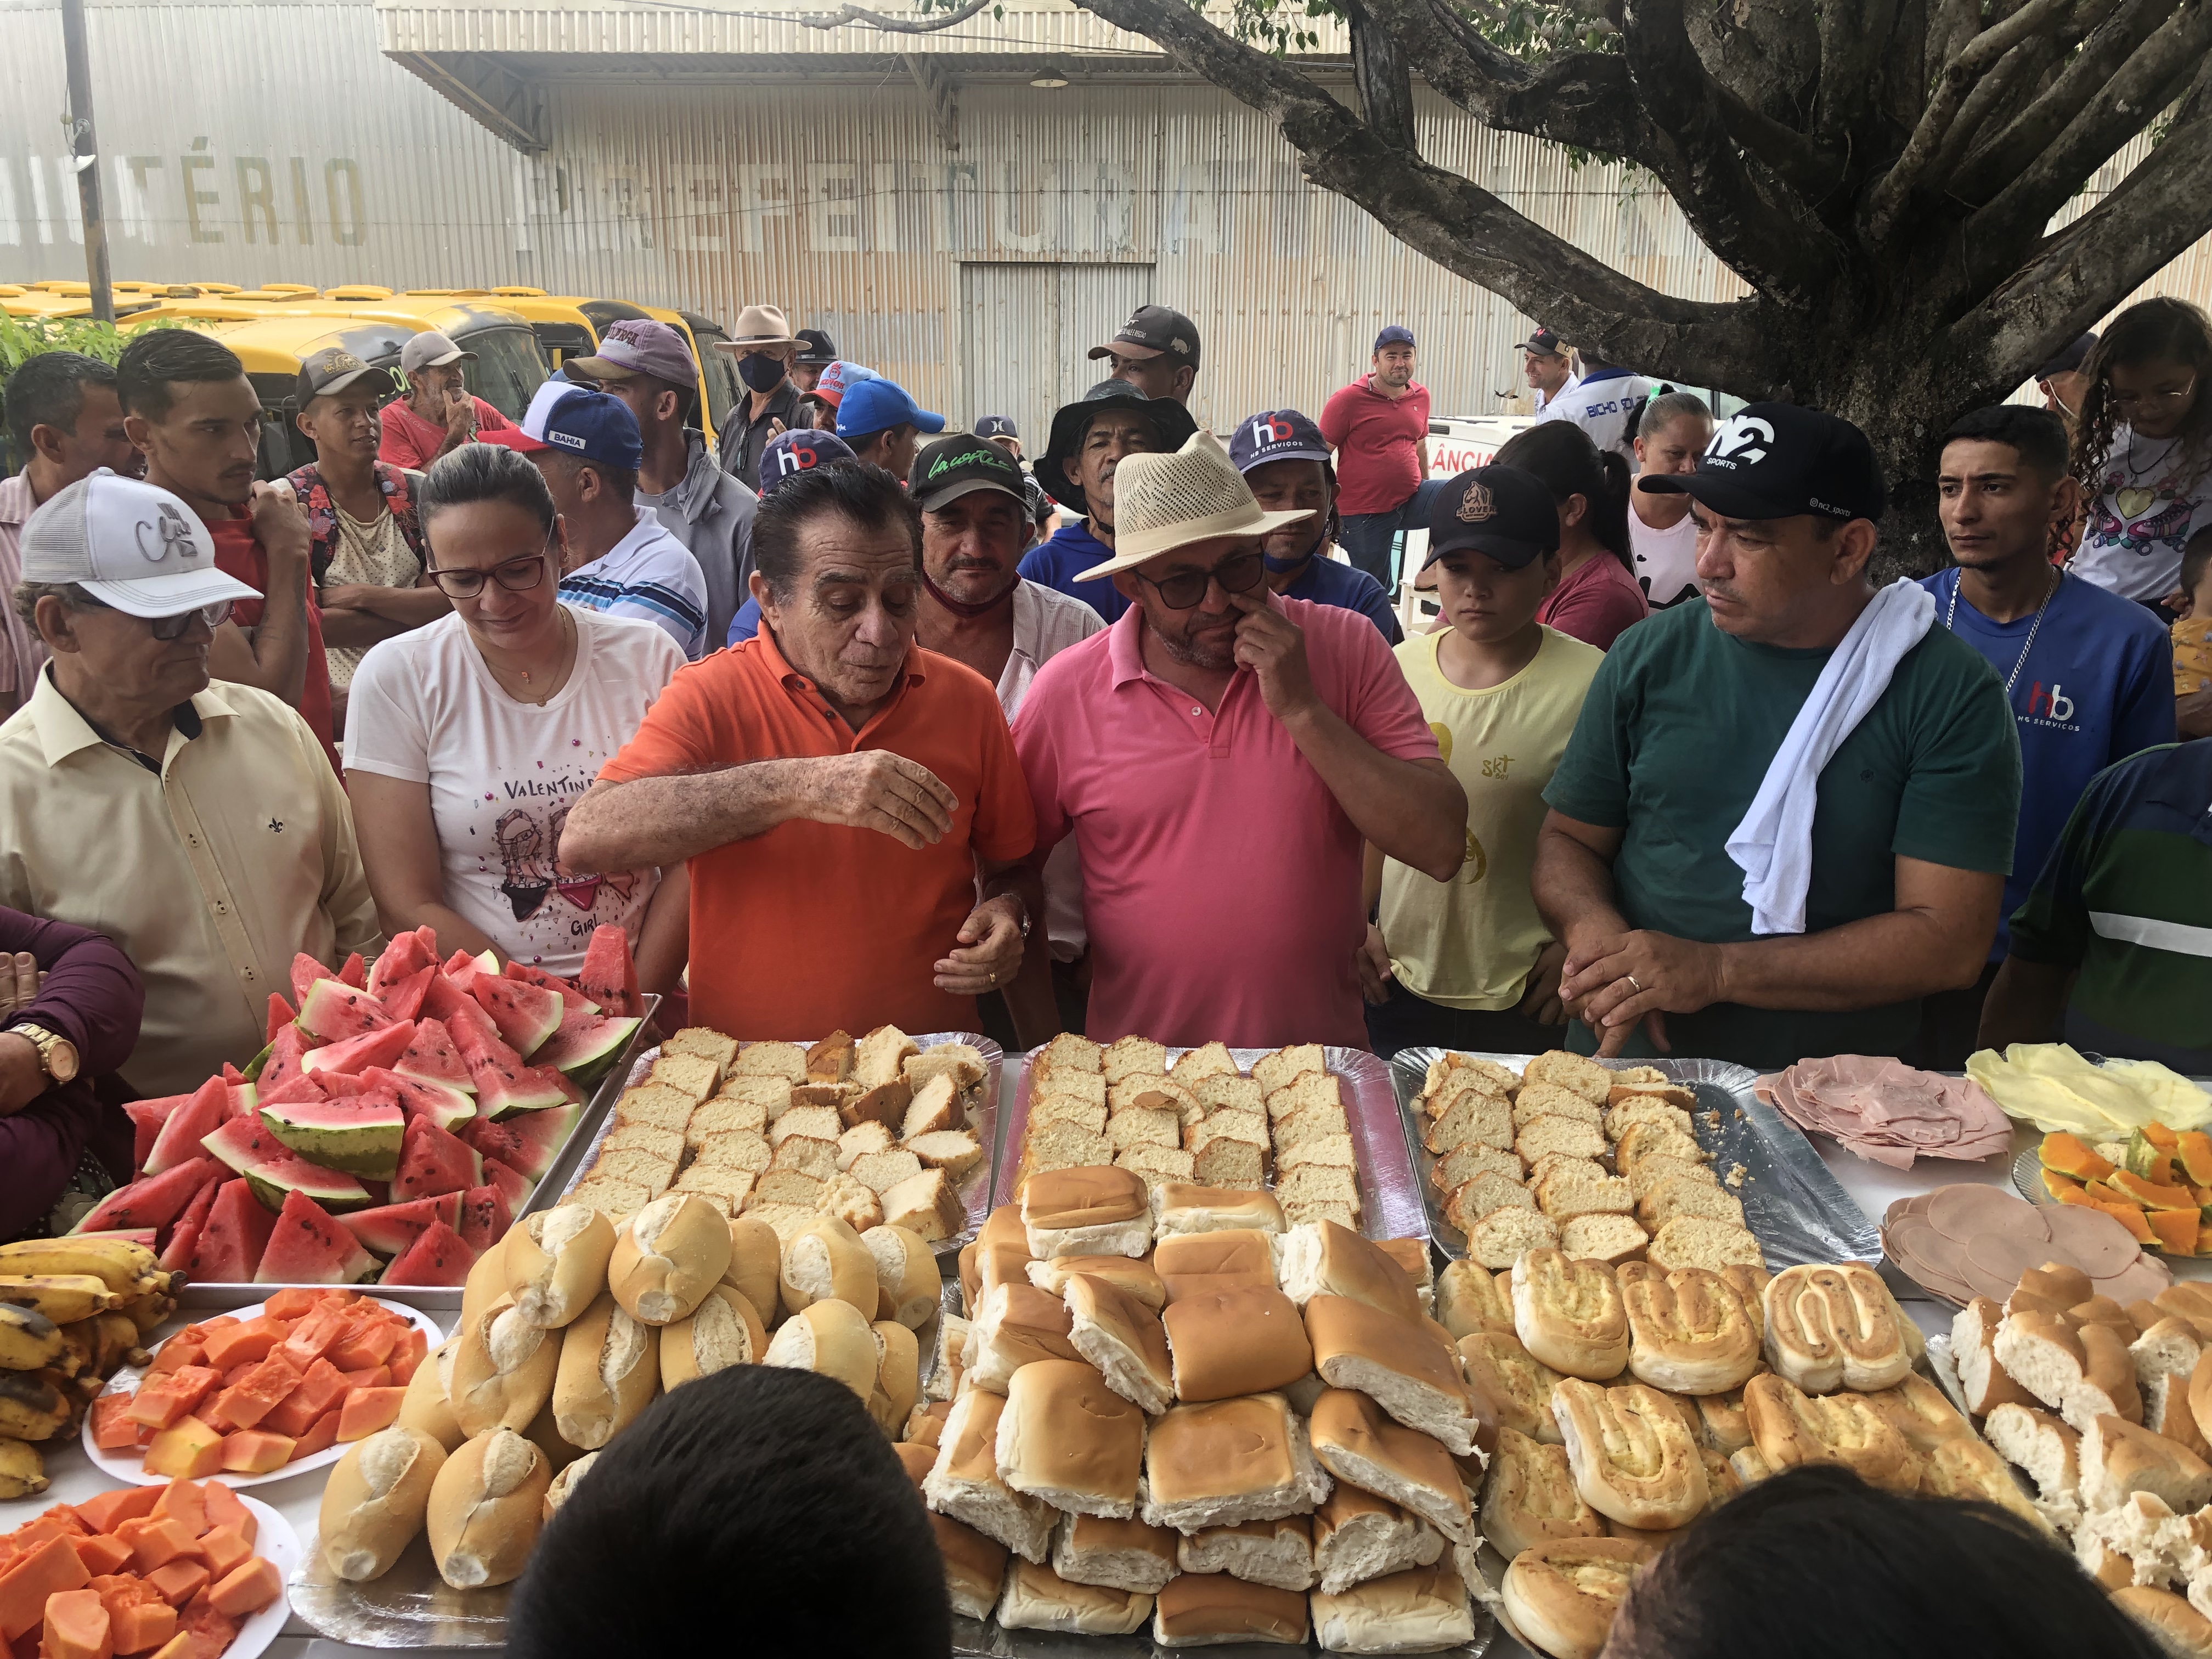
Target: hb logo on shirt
(2053, 705)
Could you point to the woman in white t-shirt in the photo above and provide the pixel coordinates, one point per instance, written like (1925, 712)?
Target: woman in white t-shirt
(1673, 432)
(468, 740)
(2144, 458)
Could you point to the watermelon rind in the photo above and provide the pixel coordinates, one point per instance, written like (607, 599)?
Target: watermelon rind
(334, 1011)
(242, 1143)
(359, 1136)
(285, 1172)
(445, 1106)
(585, 1040)
(308, 1246)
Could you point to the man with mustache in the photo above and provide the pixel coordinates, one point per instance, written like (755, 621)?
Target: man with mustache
(1091, 438)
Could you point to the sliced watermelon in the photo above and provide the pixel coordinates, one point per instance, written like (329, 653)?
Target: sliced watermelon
(308, 1247)
(282, 1172)
(245, 1097)
(430, 1056)
(231, 1237)
(184, 1237)
(461, 967)
(485, 1216)
(306, 970)
(354, 1055)
(454, 1008)
(405, 999)
(432, 1163)
(389, 1228)
(445, 1107)
(147, 1117)
(340, 1085)
(525, 1014)
(553, 982)
(536, 1138)
(359, 1135)
(354, 972)
(153, 1201)
(407, 955)
(335, 1012)
(281, 1014)
(609, 976)
(584, 1041)
(144, 1237)
(298, 1086)
(503, 1083)
(180, 1139)
(513, 1185)
(438, 1256)
(242, 1143)
(286, 1058)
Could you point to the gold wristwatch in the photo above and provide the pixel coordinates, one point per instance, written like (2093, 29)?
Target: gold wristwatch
(56, 1053)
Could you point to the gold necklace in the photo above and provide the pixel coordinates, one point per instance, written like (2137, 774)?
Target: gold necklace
(567, 644)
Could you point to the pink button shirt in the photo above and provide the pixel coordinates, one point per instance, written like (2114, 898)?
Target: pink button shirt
(1220, 877)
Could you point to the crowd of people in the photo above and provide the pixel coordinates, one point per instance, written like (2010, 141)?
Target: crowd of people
(856, 717)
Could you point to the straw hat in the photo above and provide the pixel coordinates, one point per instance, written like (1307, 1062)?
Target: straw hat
(1162, 502)
(759, 328)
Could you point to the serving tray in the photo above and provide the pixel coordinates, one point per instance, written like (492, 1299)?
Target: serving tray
(1795, 1206)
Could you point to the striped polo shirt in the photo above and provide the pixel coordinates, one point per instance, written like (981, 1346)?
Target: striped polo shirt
(650, 575)
(2126, 898)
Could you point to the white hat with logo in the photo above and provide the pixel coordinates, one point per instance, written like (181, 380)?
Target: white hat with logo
(131, 546)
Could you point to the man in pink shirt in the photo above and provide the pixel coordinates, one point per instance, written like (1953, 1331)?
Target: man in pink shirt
(1219, 754)
(1379, 428)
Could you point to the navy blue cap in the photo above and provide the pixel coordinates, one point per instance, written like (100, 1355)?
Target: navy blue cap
(1276, 434)
(878, 406)
(2070, 359)
(1778, 461)
(563, 416)
(787, 454)
(997, 425)
(1505, 513)
(1396, 334)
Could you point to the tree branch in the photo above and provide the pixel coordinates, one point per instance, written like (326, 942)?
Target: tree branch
(1383, 80)
(1854, 41)
(2116, 34)
(844, 15)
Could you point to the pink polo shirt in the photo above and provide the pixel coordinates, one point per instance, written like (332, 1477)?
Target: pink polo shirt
(1220, 877)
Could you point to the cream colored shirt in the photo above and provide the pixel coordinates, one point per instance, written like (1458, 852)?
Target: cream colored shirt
(211, 877)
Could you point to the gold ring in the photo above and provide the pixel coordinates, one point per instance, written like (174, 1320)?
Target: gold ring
(992, 980)
(1638, 983)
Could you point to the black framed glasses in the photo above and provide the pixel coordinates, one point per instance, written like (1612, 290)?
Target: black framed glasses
(1240, 573)
(515, 575)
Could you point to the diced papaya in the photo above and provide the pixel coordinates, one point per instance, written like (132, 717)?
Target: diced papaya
(2058, 1185)
(295, 1304)
(181, 1502)
(50, 1568)
(238, 1373)
(220, 1322)
(2166, 1140)
(2194, 1155)
(202, 1618)
(2069, 1155)
(182, 1349)
(251, 1341)
(314, 1336)
(247, 1401)
(321, 1434)
(249, 1589)
(102, 1553)
(255, 1451)
(413, 1347)
(65, 1516)
(2128, 1216)
(212, 1413)
(142, 1626)
(2151, 1194)
(368, 1410)
(320, 1388)
(32, 1534)
(365, 1343)
(226, 1509)
(162, 1400)
(2175, 1231)
(374, 1377)
(187, 1450)
(223, 1549)
(112, 1427)
(155, 1541)
(76, 1628)
(124, 1589)
(179, 1580)
(110, 1510)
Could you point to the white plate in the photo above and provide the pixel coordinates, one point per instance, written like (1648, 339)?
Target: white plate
(276, 1539)
(129, 1466)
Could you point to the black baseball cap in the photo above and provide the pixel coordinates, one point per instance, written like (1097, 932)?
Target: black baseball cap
(952, 467)
(2070, 359)
(1154, 331)
(997, 425)
(332, 369)
(1778, 461)
(1544, 343)
(815, 346)
(1171, 424)
(1504, 512)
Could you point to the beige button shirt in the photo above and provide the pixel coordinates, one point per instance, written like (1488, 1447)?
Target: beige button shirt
(211, 877)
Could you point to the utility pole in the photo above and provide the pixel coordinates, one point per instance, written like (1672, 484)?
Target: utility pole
(85, 150)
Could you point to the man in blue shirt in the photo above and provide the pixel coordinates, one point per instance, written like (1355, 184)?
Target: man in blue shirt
(1284, 460)
(1089, 439)
(2089, 675)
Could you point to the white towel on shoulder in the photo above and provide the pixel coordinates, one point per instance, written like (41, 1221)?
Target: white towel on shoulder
(1773, 845)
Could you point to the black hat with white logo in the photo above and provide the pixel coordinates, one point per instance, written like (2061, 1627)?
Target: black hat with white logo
(1778, 461)
(1504, 512)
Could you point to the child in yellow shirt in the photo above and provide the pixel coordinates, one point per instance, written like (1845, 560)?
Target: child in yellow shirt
(2192, 635)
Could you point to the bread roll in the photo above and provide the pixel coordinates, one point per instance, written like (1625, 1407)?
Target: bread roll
(831, 1338)
(1569, 1314)
(1096, 1210)
(1130, 1555)
(1790, 1427)
(1689, 1330)
(722, 1331)
(425, 1407)
(1359, 1536)
(1356, 1441)
(1208, 1610)
(1469, 1300)
(1633, 1456)
(826, 1259)
(486, 1507)
(1506, 1387)
(375, 1499)
(1832, 1327)
(504, 1369)
(1279, 1553)
(1321, 1258)
(564, 1483)
(1137, 1278)
(1529, 1497)
(1214, 1465)
(975, 1566)
(1068, 1439)
(559, 1262)
(1408, 1367)
(898, 1376)
(2174, 1624)
(665, 1260)
(1561, 1596)
(487, 1282)
(1016, 1325)
(1242, 1341)
(755, 1266)
(906, 1282)
(1037, 1598)
(610, 1370)
(1123, 1338)
(1418, 1610)
(964, 1482)
(1182, 1207)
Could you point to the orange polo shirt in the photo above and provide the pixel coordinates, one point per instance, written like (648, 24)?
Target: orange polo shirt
(815, 926)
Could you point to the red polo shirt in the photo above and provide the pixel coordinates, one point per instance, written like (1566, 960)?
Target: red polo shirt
(815, 926)
(238, 554)
(1377, 441)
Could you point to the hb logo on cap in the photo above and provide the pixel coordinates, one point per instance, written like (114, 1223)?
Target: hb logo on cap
(1476, 505)
(795, 458)
(1266, 429)
(171, 535)
(1734, 440)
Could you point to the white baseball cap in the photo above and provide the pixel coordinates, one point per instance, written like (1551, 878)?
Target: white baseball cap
(131, 544)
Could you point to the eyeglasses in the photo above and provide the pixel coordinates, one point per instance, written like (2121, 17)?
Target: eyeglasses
(2155, 399)
(170, 628)
(516, 576)
(1240, 573)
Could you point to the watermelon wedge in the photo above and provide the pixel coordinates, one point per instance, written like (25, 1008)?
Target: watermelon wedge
(306, 970)
(354, 1055)
(433, 1163)
(405, 999)
(147, 1117)
(461, 967)
(553, 982)
(152, 1202)
(525, 1014)
(284, 1172)
(513, 1186)
(245, 1097)
(334, 1012)
(438, 1256)
(180, 1140)
(359, 1135)
(231, 1237)
(389, 1228)
(454, 1008)
(445, 1107)
(354, 972)
(609, 976)
(308, 1247)
(504, 1084)
(242, 1143)
(485, 1216)
(584, 1041)
(407, 955)
(281, 1014)
(285, 1059)
(184, 1237)
(299, 1086)
(430, 1056)
(537, 1138)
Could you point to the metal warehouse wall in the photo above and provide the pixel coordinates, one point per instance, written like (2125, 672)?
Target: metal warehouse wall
(273, 143)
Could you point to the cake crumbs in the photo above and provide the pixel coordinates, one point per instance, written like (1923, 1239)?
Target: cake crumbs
(1711, 1120)
(1735, 1175)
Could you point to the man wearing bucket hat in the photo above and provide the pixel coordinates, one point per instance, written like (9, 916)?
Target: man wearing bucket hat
(239, 852)
(1215, 741)
(764, 346)
(437, 414)
(1284, 460)
(1089, 439)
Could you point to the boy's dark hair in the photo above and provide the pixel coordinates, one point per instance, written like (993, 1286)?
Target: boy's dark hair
(1817, 1565)
(2196, 559)
(865, 494)
(2037, 435)
(162, 357)
(758, 1511)
(48, 390)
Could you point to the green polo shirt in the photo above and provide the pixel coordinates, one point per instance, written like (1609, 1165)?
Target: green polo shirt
(1671, 746)
(2126, 898)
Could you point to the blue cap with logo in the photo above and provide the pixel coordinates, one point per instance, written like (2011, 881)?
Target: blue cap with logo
(878, 406)
(1395, 334)
(593, 426)
(997, 425)
(787, 454)
(1276, 434)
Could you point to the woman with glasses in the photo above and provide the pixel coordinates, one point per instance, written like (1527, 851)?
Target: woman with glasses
(468, 740)
(2144, 456)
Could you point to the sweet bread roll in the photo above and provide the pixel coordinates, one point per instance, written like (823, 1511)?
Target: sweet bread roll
(1561, 1596)
(1470, 1299)
(375, 1501)
(1418, 1610)
(667, 1257)
(1093, 1210)
(964, 1482)
(1279, 1553)
(1215, 1465)
(1355, 1441)
(1569, 1314)
(1834, 1327)
(1529, 1497)
(722, 1331)
(1037, 1598)
(1968, 1467)
(1208, 1610)
(1632, 1457)
(1124, 1339)
(1138, 1279)
(1507, 1386)
(559, 1263)
(1688, 1330)
(504, 1369)
(487, 1506)
(1321, 1258)
(1721, 1423)
(1790, 1427)
(827, 1261)
(609, 1371)
(1183, 1207)
(1015, 1325)
(1408, 1368)
(1917, 1410)
(1230, 1342)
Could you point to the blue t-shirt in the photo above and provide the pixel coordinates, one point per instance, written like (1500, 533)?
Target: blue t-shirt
(1073, 548)
(2097, 687)
(745, 624)
(1324, 582)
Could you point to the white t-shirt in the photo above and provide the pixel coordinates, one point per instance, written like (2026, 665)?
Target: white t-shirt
(1602, 406)
(1666, 560)
(2148, 506)
(503, 774)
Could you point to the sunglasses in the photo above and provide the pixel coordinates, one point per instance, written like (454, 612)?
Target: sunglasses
(1240, 573)
(168, 629)
(516, 576)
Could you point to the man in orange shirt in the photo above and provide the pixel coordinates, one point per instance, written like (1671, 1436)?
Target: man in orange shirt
(838, 790)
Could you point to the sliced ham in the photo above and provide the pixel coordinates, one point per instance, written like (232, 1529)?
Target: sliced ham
(1888, 1112)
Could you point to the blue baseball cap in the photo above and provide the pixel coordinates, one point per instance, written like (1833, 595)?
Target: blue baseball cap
(879, 405)
(997, 425)
(563, 416)
(787, 454)
(1396, 334)
(1276, 434)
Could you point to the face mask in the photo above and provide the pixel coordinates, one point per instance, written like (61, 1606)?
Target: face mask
(760, 372)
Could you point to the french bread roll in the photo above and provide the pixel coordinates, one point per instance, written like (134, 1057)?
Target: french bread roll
(609, 1369)
(487, 1506)
(557, 1493)
(487, 1282)
(898, 1376)
(1209, 1609)
(722, 1331)
(665, 1260)
(1321, 1258)
(424, 1406)
(826, 1261)
(544, 1433)
(1418, 1610)
(375, 1499)
(755, 1266)
(558, 1264)
(504, 1369)
(831, 1338)
(907, 1283)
